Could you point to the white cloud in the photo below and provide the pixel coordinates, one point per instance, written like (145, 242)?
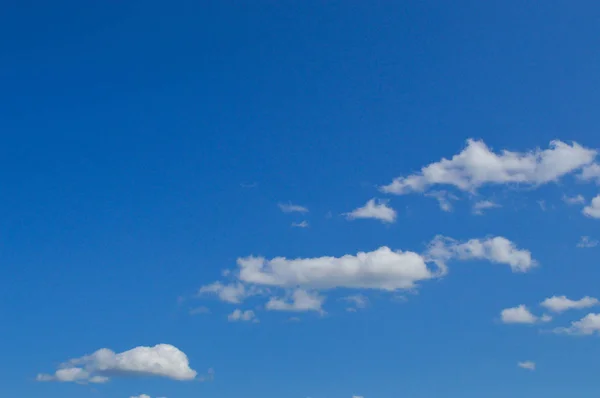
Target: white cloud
(496, 250)
(587, 325)
(593, 210)
(587, 242)
(519, 314)
(244, 316)
(302, 224)
(476, 165)
(482, 205)
(162, 360)
(140, 396)
(290, 208)
(357, 396)
(574, 200)
(301, 301)
(529, 365)
(231, 293)
(591, 172)
(562, 303)
(375, 209)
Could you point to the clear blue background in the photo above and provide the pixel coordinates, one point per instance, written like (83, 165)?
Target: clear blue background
(126, 129)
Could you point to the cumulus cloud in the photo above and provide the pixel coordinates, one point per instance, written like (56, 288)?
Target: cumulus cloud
(496, 250)
(562, 303)
(593, 209)
(587, 325)
(375, 209)
(291, 208)
(529, 365)
(587, 242)
(300, 301)
(162, 360)
(573, 200)
(302, 224)
(521, 314)
(244, 316)
(477, 165)
(482, 205)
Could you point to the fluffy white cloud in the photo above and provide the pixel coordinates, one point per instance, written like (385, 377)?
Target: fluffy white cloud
(482, 205)
(301, 301)
(162, 360)
(574, 200)
(518, 314)
(477, 165)
(587, 242)
(378, 210)
(245, 316)
(593, 210)
(562, 303)
(587, 325)
(302, 224)
(529, 365)
(496, 250)
(290, 208)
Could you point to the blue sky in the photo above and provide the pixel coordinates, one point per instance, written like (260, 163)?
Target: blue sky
(226, 199)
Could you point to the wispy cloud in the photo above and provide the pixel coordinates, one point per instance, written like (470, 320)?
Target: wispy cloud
(529, 365)
(573, 200)
(302, 224)
(292, 208)
(587, 242)
(482, 205)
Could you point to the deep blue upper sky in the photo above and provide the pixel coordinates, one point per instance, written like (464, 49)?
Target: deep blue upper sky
(145, 146)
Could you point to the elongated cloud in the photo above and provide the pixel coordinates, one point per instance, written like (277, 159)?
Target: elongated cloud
(477, 165)
(562, 303)
(482, 205)
(162, 360)
(528, 365)
(374, 209)
(291, 208)
(496, 250)
(301, 301)
(244, 316)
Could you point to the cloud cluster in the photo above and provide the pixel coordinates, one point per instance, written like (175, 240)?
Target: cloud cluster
(521, 314)
(162, 360)
(384, 269)
(560, 304)
(244, 316)
(477, 165)
(588, 325)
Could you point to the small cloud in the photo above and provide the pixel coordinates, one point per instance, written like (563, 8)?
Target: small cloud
(573, 200)
(443, 199)
(199, 310)
(375, 209)
(593, 209)
(587, 242)
(359, 301)
(542, 204)
(302, 224)
(242, 316)
(482, 205)
(249, 185)
(291, 208)
(519, 314)
(301, 301)
(529, 365)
